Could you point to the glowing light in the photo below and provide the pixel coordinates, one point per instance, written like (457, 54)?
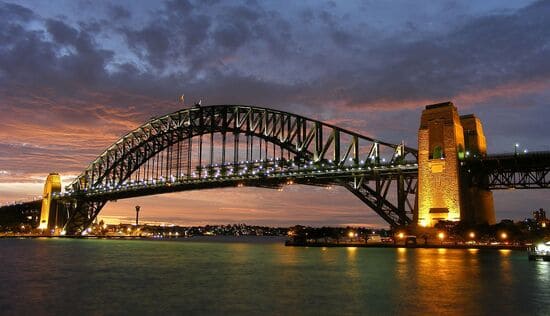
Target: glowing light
(351, 234)
(503, 235)
(472, 235)
(401, 235)
(543, 248)
(441, 235)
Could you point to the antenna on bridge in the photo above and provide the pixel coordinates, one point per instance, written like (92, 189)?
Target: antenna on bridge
(181, 98)
(198, 104)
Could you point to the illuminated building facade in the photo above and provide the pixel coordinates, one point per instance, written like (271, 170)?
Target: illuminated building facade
(444, 139)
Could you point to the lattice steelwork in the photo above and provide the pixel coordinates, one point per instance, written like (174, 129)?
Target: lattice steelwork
(510, 171)
(232, 145)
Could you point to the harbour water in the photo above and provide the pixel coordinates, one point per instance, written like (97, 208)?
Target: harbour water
(263, 277)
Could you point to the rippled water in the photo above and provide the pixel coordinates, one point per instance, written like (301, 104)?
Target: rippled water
(71, 277)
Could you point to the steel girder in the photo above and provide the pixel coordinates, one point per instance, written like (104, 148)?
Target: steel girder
(396, 208)
(308, 140)
(510, 171)
(82, 214)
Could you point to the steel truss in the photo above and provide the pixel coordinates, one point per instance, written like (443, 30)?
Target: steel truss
(173, 149)
(511, 171)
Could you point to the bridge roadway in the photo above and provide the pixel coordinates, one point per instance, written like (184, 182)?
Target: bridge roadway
(510, 171)
(495, 172)
(268, 174)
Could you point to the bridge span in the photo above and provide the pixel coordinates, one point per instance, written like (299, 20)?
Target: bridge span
(233, 146)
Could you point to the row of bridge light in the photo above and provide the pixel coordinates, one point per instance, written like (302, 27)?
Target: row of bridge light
(216, 174)
(17, 202)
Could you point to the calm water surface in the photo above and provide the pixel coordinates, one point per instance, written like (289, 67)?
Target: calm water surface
(75, 277)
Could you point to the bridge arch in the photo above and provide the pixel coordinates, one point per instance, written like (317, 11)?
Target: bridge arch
(294, 138)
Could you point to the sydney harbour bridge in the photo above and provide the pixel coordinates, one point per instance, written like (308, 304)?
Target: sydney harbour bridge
(220, 146)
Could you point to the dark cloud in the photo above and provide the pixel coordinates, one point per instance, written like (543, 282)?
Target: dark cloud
(15, 12)
(486, 52)
(151, 43)
(30, 58)
(61, 32)
(117, 12)
(221, 51)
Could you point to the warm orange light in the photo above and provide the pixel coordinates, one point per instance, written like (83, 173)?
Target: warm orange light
(441, 235)
(401, 235)
(503, 235)
(472, 235)
(351, 234)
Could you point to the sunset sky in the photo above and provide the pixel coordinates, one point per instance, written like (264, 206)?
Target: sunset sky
(77, 75)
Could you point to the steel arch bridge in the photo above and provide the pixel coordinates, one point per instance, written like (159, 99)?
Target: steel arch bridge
(235, 145)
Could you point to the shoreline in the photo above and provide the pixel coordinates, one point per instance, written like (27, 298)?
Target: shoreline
(286, 243)
(428, 246)
(197, 238)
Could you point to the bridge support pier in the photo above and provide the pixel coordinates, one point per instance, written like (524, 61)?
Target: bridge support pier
(445, 140)
(81, 216)
(49, 214)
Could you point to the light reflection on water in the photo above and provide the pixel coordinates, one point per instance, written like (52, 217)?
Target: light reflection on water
(152, 277)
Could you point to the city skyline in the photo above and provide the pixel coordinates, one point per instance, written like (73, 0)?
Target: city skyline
(76, 76)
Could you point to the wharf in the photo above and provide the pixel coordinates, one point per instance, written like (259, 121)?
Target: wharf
(401, 245)
(533, 257)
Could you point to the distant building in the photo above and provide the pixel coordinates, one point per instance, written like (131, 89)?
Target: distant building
(540, 215)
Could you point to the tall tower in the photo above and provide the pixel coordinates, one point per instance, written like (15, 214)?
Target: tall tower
(440, 143)
(478, 205)
(444, 193)
(52, 185)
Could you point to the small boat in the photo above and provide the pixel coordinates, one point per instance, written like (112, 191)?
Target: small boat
(540, 251)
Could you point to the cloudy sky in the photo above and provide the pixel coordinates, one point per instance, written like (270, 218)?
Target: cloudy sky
(76, 75)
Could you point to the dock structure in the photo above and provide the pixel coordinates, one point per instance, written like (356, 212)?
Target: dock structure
(540, 251)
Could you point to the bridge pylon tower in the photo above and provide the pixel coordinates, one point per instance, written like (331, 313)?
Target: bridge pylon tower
(445, 140)
(48, 211)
